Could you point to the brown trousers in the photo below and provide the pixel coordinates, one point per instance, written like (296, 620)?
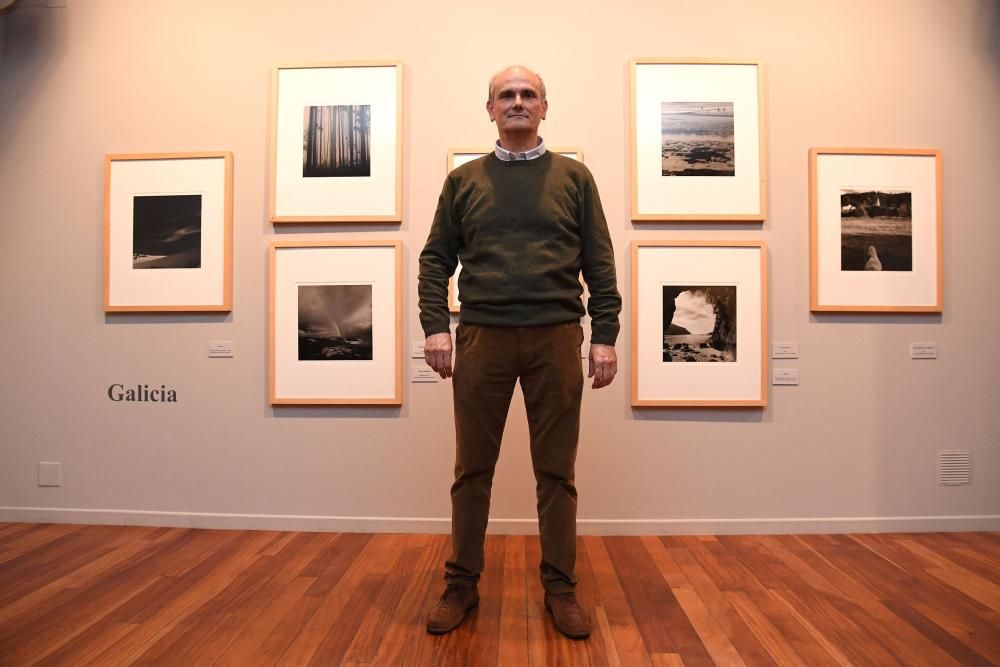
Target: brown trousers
(488, 363)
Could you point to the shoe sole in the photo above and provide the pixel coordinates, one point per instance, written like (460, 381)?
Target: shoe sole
(444, 631)
(571, 635)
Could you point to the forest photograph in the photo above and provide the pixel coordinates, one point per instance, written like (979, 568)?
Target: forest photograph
(336, 141)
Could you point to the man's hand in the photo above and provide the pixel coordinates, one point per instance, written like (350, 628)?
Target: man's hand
(437, 353)
(603, 364)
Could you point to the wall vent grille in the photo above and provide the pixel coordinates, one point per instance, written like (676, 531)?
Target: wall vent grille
(954, 466)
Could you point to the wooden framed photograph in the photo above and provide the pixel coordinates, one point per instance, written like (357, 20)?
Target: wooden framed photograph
(697, 141)
(699, 323)
(875, 230)
(337, 142)
(168, 232)
(336, 322)
(456, 158)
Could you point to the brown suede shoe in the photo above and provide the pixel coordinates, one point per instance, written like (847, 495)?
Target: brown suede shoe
(568, 615)
(450, 610)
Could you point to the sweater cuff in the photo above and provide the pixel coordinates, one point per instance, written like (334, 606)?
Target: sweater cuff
(603, 335)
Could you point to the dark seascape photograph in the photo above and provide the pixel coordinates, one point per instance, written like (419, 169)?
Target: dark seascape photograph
(166, 232)
(876, 230)
(336, 141)
(699, 323)
(696, 139)
(335, 322)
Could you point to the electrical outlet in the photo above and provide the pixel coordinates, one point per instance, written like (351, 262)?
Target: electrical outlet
(49, 473)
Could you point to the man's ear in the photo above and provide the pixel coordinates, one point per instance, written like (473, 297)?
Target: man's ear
(545, 108)
(489, 110)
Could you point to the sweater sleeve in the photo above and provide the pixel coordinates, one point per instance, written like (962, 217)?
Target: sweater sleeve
(437, 264)
(598, 263)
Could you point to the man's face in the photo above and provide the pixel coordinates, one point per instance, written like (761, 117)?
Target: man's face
(517, 104)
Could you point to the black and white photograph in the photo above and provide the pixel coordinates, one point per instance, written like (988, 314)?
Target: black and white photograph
(697, 139)
(166, 232)
(336, 141)
(876, 232)
(335, 322)
(699, 323)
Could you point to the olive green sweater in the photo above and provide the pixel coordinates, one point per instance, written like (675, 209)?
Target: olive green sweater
(523, 230)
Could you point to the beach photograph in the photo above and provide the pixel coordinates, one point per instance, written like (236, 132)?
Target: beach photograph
(876, 231)
(699, 323)
(696, 139)
(336, 141)
(166, 232)
(335, 322)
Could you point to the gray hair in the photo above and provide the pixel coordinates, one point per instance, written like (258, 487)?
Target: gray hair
(526, 69)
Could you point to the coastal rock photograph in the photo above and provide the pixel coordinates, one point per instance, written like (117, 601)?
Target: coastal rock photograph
(699, 323)
(697, 139)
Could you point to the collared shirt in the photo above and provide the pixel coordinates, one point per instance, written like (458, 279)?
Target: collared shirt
(508, 156)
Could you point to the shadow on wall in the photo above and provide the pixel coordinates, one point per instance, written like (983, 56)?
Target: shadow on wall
(30, 38)
(989, 20)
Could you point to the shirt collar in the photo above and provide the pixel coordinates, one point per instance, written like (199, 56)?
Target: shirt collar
(508, 156)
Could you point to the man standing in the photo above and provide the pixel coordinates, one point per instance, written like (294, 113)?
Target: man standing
(524, 222)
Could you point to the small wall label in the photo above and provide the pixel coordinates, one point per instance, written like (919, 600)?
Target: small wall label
(785, 351)
(423, 373)
(785, 376)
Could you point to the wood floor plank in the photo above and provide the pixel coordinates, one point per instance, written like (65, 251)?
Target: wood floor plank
(959, 651)
(827, 613)
(120, 550)
(650, 601)
(10, 532)
(628, 641)
(207, 633)
(406, 637)
(376, 621)
(201, 582)
(944, 606)
(880, 615)
(709, 631)
(546, 646)
(667, 660)
(45, 627)
(512, 646)
(33, 536)
(334, 587)
(707, 588)
(107, 595)
(981, 559)
(477, 638)
(600, 647)
(661, 620)
(772, 639)
(603, 635)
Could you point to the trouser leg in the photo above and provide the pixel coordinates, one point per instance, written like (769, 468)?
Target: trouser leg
(552, 381)
(483, 384)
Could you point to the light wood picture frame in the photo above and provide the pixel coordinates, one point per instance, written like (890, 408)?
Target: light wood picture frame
(337, 142)
(876, 230)
(335, 322)
(697, 140)
(699, 324)
(168, 232)
(456, 158)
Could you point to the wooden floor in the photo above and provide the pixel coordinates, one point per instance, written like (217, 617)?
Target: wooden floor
(102, 595)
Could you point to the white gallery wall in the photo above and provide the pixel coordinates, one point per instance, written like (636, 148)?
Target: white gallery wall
(853, 447)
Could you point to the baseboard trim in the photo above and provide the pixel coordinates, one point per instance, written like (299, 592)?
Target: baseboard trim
(498, 526)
